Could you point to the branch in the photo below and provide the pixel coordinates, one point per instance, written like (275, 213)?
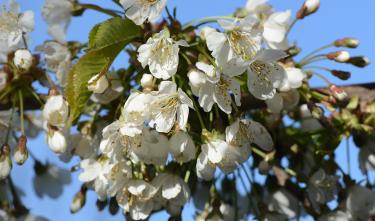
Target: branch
(366, 93)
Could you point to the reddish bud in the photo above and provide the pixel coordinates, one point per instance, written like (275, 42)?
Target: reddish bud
(343, 75)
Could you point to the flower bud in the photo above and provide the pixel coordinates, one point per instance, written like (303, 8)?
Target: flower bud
(347, 42)
(308, 8)
(101, 204)
(339, 56)
(56, 141)
(147, 81)
(205, 31)
(23, 59)
(360, 61)
(98, 84)
(5, 162)
(3, 80)
(53, 91)
(113, 206)
(196, 78)
(79, 200)
(343, 75)
(21, 154)
(316, 111)
(338, 93)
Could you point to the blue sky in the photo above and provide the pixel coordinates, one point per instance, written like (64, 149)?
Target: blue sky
(335, 19)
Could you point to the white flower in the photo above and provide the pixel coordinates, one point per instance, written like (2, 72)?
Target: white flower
(168, 105)
(96, 171)
(3, 80)
(141, 10)
(293, 80)
(206, 31)
(259, 8)
(56, 141)
(50, 180)
(284, 202)
(98, 84)
(160, 53)
(153, 149)
(58, 59)
(366, 157)
(114, 144)
(135, 113)
(173, 190)
(14, 27)
(264, 75)
(147, 81)
(322, 188)
(217, 89)
(118, 176)
(112, 92)
(308, 123)
(234, 49)
(182, 147)
(276, 28)
(136, 199)
(23, 59)
(57, 14)
(56, 111)
(222, 154)
(283, 100)
(204, 168)
(361, 203)
(244, 132)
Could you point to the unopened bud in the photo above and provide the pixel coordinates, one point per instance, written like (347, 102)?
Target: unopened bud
(147, 81)
(53, 92)
(23, 59)
(21, 154)
(347, 42)
(56, 141)
(113, 206)
(98, 84)
(3, 80)
(5, 162)
(338, 93)
(205, 32)
(308, 8)
(294, 50)
(264, 167)
(339, 56)
(360, 61)
(196, 78)
(79, 200)
(101, 204)
(316, 111)
(343, 75)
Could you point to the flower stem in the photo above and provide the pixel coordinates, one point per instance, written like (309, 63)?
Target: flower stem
(196, 109)
(316, 51)
(99, 9)
(20, 97)
(207, 20)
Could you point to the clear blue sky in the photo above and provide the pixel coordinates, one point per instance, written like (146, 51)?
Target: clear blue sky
(335, 19)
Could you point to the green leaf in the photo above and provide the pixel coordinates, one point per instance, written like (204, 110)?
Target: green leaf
(107, 40)
(111, 32)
